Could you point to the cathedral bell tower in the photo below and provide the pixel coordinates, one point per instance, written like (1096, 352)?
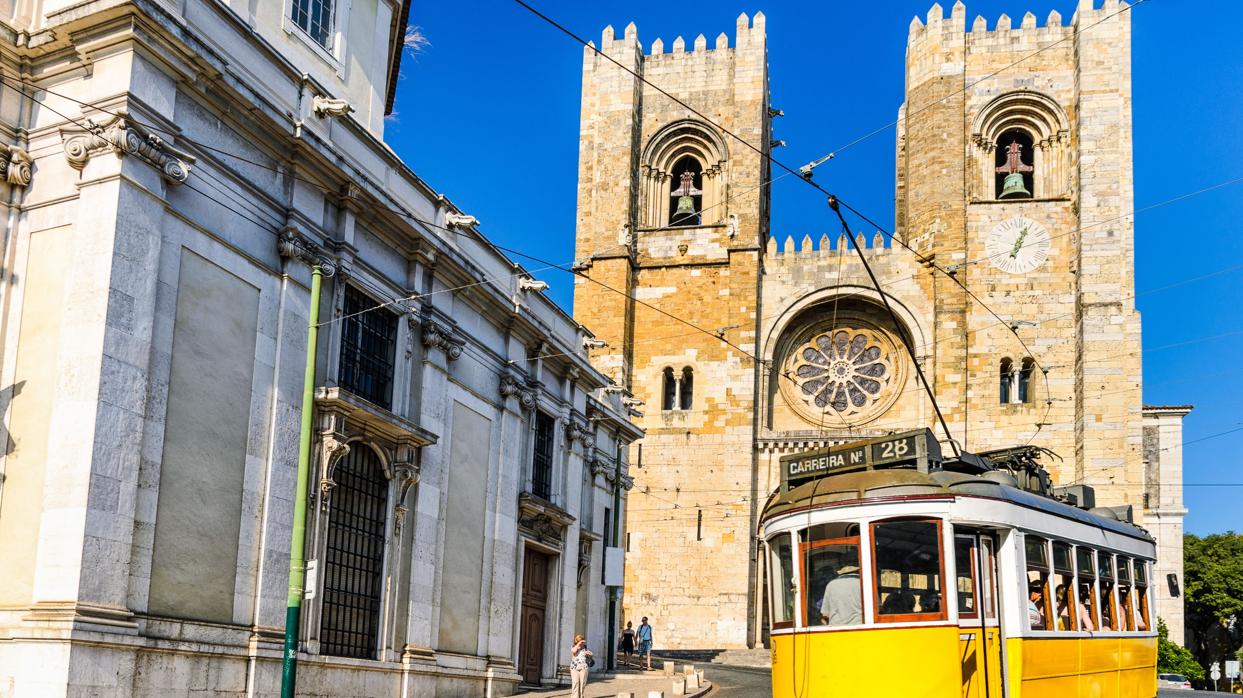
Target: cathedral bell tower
(672, 218)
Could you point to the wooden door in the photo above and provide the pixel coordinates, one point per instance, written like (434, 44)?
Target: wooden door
(534, 603)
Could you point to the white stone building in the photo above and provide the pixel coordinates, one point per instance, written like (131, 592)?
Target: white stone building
(171, 170)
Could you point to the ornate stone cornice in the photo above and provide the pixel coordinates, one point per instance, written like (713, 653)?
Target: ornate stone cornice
(438, 335)
(292, 244)
(15, 165)
(123, 136)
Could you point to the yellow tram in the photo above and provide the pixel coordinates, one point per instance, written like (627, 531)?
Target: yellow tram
(886, 566)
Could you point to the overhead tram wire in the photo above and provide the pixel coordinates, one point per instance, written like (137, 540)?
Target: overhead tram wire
(805, 175)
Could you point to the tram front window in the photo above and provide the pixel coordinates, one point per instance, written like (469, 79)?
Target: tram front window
(832, 588)
(907, 559)
(781, 572)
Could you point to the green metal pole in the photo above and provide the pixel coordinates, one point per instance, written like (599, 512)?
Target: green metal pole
(297, 561)
(615, 592)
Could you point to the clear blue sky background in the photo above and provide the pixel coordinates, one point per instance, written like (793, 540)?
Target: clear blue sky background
(488, 114)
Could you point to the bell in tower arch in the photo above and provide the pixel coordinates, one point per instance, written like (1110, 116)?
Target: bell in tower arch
(1014, 186)
(685, 213)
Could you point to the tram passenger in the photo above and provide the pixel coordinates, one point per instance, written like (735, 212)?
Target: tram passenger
(1085, 618)
(843, 597)
(898, 603)
(1035, 605)
(1063, 607)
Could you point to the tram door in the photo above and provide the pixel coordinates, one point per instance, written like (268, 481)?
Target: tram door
(976, 579)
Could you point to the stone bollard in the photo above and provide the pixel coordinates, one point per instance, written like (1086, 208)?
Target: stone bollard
(655, 694)
(688, 669)
(625, 695)
(692, 681)
(700, 675)
(669, 667)
(679, 687)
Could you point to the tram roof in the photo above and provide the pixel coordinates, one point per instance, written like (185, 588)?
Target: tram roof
(870, 486)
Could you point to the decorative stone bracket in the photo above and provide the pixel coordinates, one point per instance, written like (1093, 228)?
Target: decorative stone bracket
(15, 165)
(292, 244)
(123, 136)
(513, 386)
(438, 335)
(576, 430)
(585, 539)
(407, 476)
(325, 107)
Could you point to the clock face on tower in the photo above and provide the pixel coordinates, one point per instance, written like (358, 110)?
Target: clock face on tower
(1017, 245)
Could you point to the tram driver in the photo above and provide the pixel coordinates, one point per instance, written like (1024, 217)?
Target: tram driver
(843, 596)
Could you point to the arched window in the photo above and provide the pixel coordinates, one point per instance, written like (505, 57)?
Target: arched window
(669, 390)
(1006, 381)
(687, 388)
(1023, 135)
(1025, 380)
(683, 147)
(686, 199)
(1013, 160)
(354, 556)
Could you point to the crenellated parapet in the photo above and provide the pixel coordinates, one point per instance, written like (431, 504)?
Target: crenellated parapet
(748, 34)
(871, 245)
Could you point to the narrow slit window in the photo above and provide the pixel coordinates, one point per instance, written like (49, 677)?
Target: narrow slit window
(668, 390)
(1025, 380)
(541, 460)
(368, 348)
(686, 389)
(1005, 381)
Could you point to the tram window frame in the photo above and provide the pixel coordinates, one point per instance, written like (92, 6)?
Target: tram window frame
(783, 582)
(937, 583)
(981, 592)
(1141, 596)
(1106, 581)
(1087, 576)
(1126, 599)
(1064, 574)
(1041, 569)
(808, 544)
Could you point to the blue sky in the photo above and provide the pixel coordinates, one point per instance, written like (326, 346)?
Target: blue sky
(488, 114)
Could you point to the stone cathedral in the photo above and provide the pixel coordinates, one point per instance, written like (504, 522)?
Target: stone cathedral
(746, 344)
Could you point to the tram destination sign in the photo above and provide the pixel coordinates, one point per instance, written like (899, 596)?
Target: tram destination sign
(910, 449)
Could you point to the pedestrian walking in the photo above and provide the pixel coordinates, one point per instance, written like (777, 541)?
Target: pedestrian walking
(626, 645)
(580, 662)
(645, 643)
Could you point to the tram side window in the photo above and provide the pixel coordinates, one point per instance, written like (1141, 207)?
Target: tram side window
(1038, 606)
(1141, 594)
(907, 559)
(1126, 608)
(1066, 606)
(964, 577)
(1105, 575)
(1089, 608)
(781, 574)
(832, 587)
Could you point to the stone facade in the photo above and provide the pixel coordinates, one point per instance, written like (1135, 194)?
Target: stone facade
(1056, 265)
(172, 172)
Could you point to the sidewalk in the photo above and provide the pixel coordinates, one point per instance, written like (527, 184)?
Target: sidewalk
(608, 685)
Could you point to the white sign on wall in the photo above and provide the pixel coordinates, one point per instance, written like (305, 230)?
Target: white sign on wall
(613, 568)
(312, 579)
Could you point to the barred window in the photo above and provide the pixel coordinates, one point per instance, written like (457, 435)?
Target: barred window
(315, 18)
(368, 348)
(354, 558)
(541, 462)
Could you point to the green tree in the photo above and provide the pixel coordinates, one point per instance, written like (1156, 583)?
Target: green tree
(1213, 591)
(1173, 658)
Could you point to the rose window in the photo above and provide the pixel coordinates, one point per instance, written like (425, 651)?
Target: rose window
(847, 371)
